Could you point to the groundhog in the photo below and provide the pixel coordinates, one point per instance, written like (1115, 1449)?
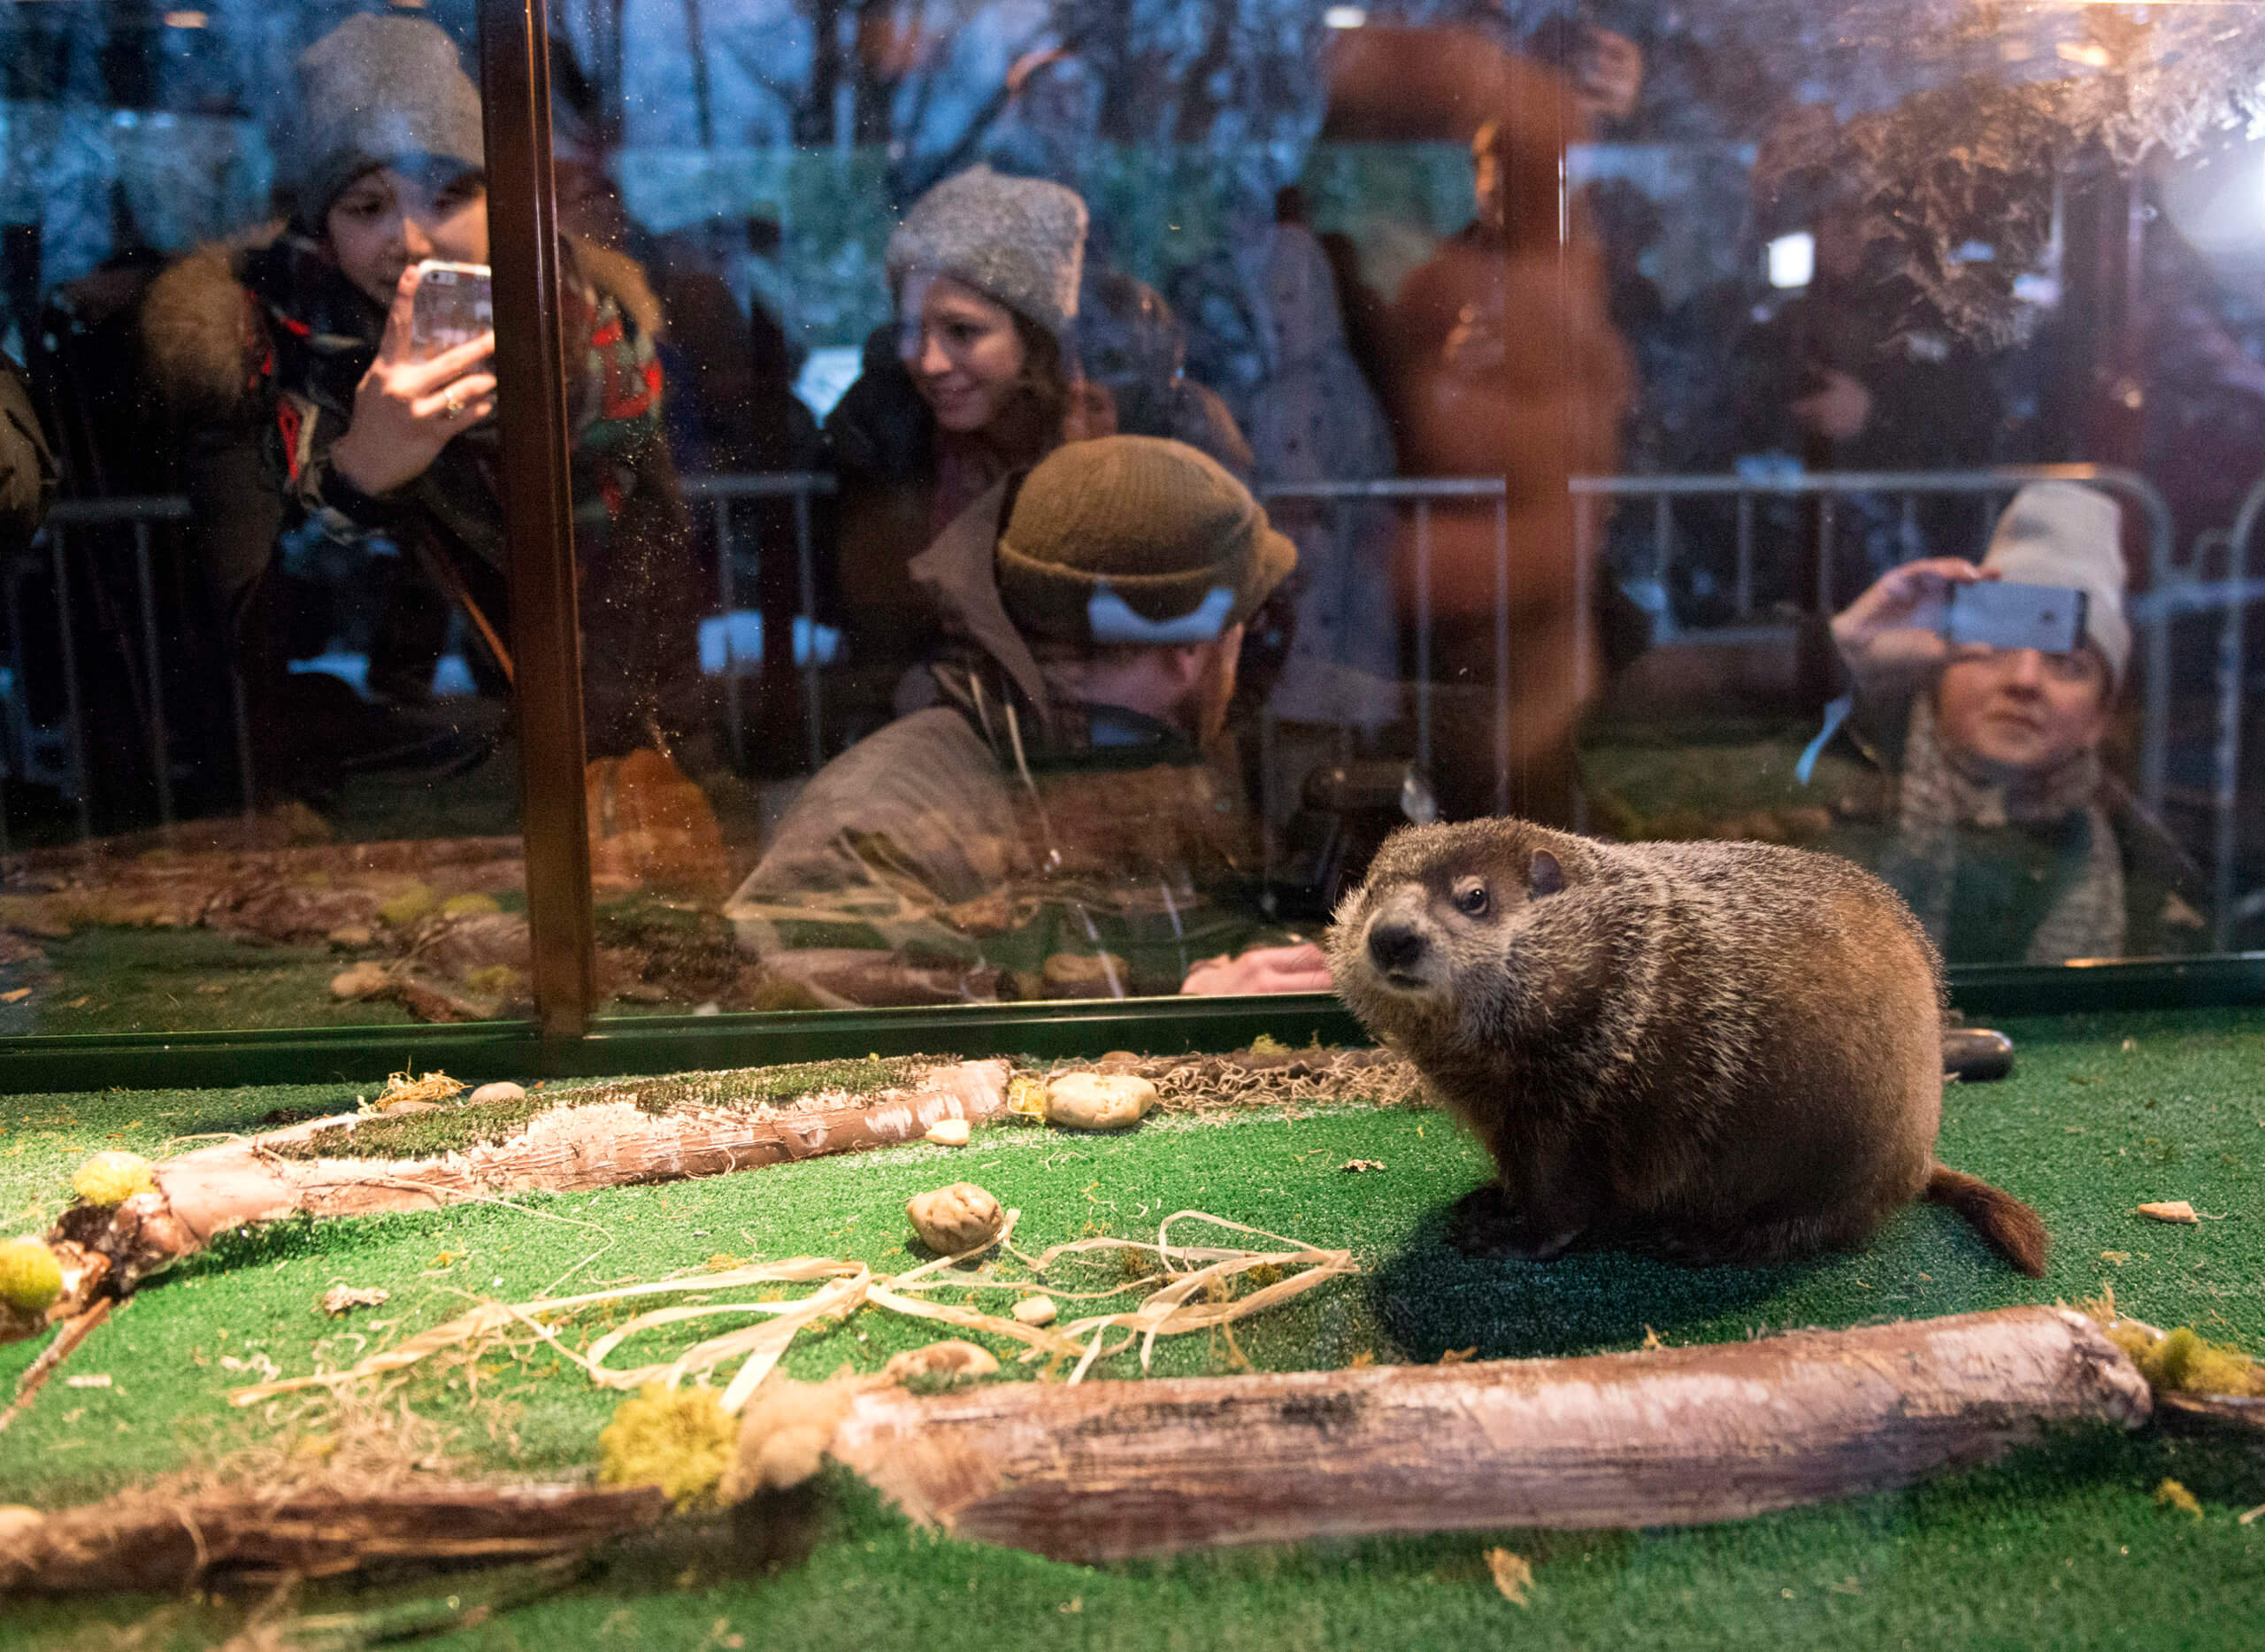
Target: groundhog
(1718, 1052)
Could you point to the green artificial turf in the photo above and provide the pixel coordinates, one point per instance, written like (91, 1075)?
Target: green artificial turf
(109, 979)
(2063, 1545)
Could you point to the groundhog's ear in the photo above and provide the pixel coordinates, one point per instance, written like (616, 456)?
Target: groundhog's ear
(1543, 874)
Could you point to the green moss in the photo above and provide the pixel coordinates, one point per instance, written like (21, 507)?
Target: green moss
(453, 1129)
(677, 1439)
(407, 907)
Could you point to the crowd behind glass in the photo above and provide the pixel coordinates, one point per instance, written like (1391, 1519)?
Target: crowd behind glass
(1124, 615)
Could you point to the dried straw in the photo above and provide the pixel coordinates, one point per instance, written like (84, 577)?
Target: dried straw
(1196, 1275)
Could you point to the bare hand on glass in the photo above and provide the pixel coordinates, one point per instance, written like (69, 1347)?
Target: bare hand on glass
(406, 410)
(1301, 968)
(1891, 638)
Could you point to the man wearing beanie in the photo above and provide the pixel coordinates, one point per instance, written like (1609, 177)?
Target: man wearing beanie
(1054, 827)
(1996, 817)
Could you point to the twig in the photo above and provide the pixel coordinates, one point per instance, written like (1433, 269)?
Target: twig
(74, 1331)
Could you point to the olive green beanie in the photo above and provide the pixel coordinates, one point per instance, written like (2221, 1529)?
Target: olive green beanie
(1136, 539)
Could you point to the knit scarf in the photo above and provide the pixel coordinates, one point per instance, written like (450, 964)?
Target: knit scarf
(1937, 799)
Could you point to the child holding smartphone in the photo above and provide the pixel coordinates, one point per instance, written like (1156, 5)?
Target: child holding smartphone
(1990, 807)
(292, 360)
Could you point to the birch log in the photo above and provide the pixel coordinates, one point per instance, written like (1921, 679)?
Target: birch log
(571, 1148)
(142, 1541)
(1666, 1437)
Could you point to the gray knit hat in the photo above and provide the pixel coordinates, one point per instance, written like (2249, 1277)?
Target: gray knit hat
(2068, 534)
(377, 91)
(1135, 540)
(1020, 241)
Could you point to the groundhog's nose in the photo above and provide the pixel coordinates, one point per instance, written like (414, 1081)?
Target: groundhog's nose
(1395, 946)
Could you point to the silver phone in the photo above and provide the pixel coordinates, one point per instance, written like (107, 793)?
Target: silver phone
(455, 304)
(2000, 614)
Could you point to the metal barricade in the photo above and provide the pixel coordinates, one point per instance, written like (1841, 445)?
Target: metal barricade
(720, 491)
(64, 522)
(2230, 597)
(1990, 489)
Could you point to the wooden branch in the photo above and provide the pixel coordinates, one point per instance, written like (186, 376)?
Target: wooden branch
(1666, 1437)
(144, 1541)
(72, 1331)
(571, 1148)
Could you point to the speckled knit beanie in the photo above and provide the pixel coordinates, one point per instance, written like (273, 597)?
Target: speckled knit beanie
(2068, 534)
(376, 91)
(1018, 241)
(1135, 540)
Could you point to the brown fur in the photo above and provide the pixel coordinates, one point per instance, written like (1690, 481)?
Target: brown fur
(1718, 1051)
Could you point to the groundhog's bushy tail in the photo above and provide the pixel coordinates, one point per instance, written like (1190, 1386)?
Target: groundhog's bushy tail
(2007, 1226)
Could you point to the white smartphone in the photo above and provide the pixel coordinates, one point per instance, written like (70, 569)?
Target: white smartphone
(2002, 615)
(454, 304)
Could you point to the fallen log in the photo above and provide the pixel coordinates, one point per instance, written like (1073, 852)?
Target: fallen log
(1666, 1437)
(1104, 1471)
(145, 1542)
(614, 1136)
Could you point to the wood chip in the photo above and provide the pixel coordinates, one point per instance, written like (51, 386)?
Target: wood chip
(343, 1298)
(950, 1360)
(2171, 1211)
(1362, 1163)
(362, 980)
(96, 1379)
(16, 996)
(1513, 1576)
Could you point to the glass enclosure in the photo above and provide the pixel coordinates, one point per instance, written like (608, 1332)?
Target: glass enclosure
(258, 751)
(1055, 483)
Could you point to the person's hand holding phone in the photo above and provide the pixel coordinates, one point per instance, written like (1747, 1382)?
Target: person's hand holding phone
(406, 410)
(1891, 638)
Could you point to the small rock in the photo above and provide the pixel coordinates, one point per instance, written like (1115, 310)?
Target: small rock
(340, 1298)
(956, 1219)
(1036, 1311)
(1119, 1057)
(2171, 1211)
(364, 981)
(501, 1090)
(940, 1359)
(1098, 1101)
(947, 1132)
(350, 935)
(395, 1108)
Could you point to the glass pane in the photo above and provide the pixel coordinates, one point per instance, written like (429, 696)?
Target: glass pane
(255, 710)
(1600, 381)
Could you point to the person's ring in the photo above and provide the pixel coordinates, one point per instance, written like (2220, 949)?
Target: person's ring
(455, 406)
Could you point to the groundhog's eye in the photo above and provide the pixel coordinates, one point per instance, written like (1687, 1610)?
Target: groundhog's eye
(1470, 899)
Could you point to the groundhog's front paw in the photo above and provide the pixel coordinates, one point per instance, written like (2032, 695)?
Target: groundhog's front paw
(1483, 1224)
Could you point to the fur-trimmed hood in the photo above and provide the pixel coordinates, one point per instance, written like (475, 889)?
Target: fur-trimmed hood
(202, 332)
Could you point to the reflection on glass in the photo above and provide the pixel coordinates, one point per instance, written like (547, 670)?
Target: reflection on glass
(1611, 390)
(1601, 379)
(258, 694)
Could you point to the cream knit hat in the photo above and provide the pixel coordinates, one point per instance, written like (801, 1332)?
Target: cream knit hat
(1020, 241)
(2068, 534)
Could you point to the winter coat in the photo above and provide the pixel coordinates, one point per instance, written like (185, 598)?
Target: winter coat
(257, 347)
(1000, 844)
(2080, 873)
(28, 472)
(899, 482)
